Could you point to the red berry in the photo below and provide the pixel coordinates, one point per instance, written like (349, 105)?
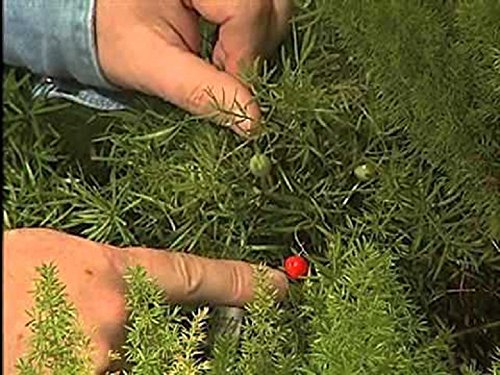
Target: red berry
(296, 266)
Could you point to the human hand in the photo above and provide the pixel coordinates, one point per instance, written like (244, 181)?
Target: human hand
(153, 46)
(93, 275)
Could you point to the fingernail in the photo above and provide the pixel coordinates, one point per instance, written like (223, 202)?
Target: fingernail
(247, 128)
(244, 128)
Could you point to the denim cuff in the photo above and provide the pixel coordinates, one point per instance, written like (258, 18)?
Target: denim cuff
(96, 98)
(84, 65)
(57, 40)
(54, 38)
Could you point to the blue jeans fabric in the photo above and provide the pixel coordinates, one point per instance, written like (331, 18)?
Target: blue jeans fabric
(56, 39)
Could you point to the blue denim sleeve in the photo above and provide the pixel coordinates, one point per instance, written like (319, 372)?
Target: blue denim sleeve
(56, 39)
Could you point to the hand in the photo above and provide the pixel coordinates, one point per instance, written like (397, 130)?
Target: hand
(93, 275)
(153, 46)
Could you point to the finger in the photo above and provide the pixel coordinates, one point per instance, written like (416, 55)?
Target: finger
(248, 29)
(187, 81)
(178, 24)
(100, 355)
(244, 30)
(105, 327)
(184, 26)
(189, 278)
(283, 10)
(106, 355)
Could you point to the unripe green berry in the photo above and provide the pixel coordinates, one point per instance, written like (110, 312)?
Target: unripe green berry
(260, 165)
(364, 172)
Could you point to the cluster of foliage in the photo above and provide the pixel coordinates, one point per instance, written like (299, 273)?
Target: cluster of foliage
(58, 343)
(411, 88)
(353, 317)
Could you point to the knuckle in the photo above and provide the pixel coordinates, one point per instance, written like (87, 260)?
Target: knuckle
(197, 99)
(260, 8)
(190, 275)
(250, 9)
(237, 283)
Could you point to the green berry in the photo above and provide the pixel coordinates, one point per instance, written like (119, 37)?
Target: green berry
(260, 165)
(364, 172)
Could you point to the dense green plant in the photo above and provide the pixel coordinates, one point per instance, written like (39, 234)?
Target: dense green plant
(434, 73)
(357, 316)
(156, 341)
(361, 319)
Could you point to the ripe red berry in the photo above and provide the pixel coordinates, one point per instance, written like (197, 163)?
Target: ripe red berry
(296, 266)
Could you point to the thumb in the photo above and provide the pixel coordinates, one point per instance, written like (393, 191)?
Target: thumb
(184, 79)
(190, 278)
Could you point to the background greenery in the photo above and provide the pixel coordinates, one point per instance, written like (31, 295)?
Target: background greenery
(405, 265)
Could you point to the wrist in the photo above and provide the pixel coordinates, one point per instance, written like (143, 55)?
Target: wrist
(109, 18)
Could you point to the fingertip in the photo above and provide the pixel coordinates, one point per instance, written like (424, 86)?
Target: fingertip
(200, 88)
(242, 115)
(227, 101)
(255, 131)
(246, 127)
(280, 281)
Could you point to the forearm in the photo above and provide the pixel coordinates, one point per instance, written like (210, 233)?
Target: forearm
(53, 38)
